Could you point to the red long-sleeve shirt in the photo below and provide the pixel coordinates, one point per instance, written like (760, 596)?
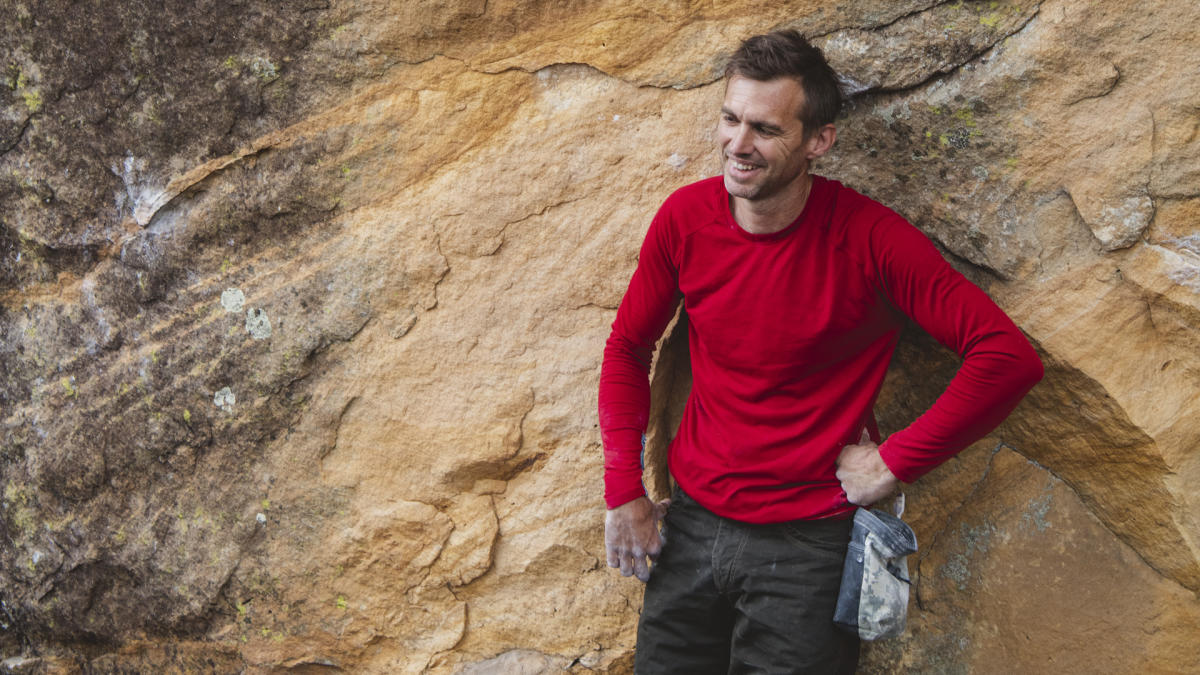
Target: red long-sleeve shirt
(790, 335)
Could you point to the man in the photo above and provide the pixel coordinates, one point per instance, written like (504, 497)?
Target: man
(796, 289)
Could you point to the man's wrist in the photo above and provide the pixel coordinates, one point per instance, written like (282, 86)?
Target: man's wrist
(891, 461)
(614, 500)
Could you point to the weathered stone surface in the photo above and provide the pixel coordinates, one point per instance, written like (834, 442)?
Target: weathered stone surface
(905, 53)
(302, 308)
(1017, 569)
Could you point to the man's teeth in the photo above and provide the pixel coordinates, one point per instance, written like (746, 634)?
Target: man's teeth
(743, 167)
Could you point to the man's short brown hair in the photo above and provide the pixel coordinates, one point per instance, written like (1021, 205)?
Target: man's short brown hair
(786, 53)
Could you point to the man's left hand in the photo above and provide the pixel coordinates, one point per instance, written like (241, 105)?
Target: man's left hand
(865, 478)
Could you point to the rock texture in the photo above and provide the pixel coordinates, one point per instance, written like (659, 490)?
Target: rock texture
(302, 305)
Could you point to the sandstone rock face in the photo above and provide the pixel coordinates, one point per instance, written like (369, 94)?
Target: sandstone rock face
(302, 307)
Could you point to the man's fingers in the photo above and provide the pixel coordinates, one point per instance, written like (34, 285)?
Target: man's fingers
(640, 568)
(626, 565)
(654, 548)
(633, 563)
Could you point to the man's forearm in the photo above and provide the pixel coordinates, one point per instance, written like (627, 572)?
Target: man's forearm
(624, 403)
(624, 397)
(995, 375)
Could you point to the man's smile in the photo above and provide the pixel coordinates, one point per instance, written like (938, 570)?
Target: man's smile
(742, 166)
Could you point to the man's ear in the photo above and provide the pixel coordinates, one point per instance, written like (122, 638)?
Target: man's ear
(821, 141)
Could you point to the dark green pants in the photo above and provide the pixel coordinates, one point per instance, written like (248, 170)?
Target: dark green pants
(733, 597)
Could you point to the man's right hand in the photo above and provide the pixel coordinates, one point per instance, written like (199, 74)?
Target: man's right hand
(631, 535)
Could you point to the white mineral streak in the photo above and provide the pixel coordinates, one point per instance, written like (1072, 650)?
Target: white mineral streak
(1182, 266)
(144, 200)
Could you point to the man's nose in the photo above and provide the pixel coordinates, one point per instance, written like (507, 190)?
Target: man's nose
(742, 142)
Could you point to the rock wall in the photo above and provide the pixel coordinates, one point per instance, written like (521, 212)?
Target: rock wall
(302, 307)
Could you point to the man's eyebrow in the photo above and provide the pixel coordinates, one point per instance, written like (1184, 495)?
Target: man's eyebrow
(763, 126)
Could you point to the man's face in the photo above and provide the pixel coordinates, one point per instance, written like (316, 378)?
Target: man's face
(763, 149)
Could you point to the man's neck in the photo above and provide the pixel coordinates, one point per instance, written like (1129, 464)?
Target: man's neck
(767, 216)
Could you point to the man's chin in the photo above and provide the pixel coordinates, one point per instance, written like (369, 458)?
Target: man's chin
(740, 190)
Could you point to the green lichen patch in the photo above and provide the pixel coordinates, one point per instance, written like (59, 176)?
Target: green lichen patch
(33, 100)
(20, 509)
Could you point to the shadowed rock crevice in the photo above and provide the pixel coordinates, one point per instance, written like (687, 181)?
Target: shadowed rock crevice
(670, 384)
(929, 542)
(1114, 467)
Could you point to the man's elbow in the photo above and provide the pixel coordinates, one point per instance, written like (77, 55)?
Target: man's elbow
(1014, 363)
(621, 350)
(1028, 369)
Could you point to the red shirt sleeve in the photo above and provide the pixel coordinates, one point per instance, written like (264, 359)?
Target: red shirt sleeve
(999, 365)
(624, 399)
